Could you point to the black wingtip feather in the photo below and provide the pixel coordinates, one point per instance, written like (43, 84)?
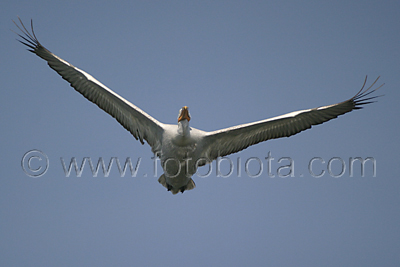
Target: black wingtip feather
(28, 38)
(361, 98)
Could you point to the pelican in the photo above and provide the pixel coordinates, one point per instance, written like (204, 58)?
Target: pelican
(181, 148)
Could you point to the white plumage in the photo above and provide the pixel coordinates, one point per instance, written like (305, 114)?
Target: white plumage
(180, 147)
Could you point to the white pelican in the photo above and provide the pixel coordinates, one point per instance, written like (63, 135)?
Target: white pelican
(182, 148)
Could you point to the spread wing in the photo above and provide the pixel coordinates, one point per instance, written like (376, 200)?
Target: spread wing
(141, 125)
(234, 139)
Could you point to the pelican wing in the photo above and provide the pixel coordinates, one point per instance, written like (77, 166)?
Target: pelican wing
(234, 139)
(141, 125)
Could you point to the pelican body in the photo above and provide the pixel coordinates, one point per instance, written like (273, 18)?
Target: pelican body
(183, 149)
(180, 152)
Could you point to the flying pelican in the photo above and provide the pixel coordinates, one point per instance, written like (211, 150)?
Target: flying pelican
(181, 148)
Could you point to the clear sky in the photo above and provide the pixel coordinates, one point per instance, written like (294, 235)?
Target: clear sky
(230, 62)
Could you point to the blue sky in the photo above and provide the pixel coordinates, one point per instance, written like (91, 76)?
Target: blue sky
(230, 62)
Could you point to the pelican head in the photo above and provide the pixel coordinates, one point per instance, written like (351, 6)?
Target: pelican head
(184, 114)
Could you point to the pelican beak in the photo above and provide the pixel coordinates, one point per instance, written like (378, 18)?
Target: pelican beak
(184, 114)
